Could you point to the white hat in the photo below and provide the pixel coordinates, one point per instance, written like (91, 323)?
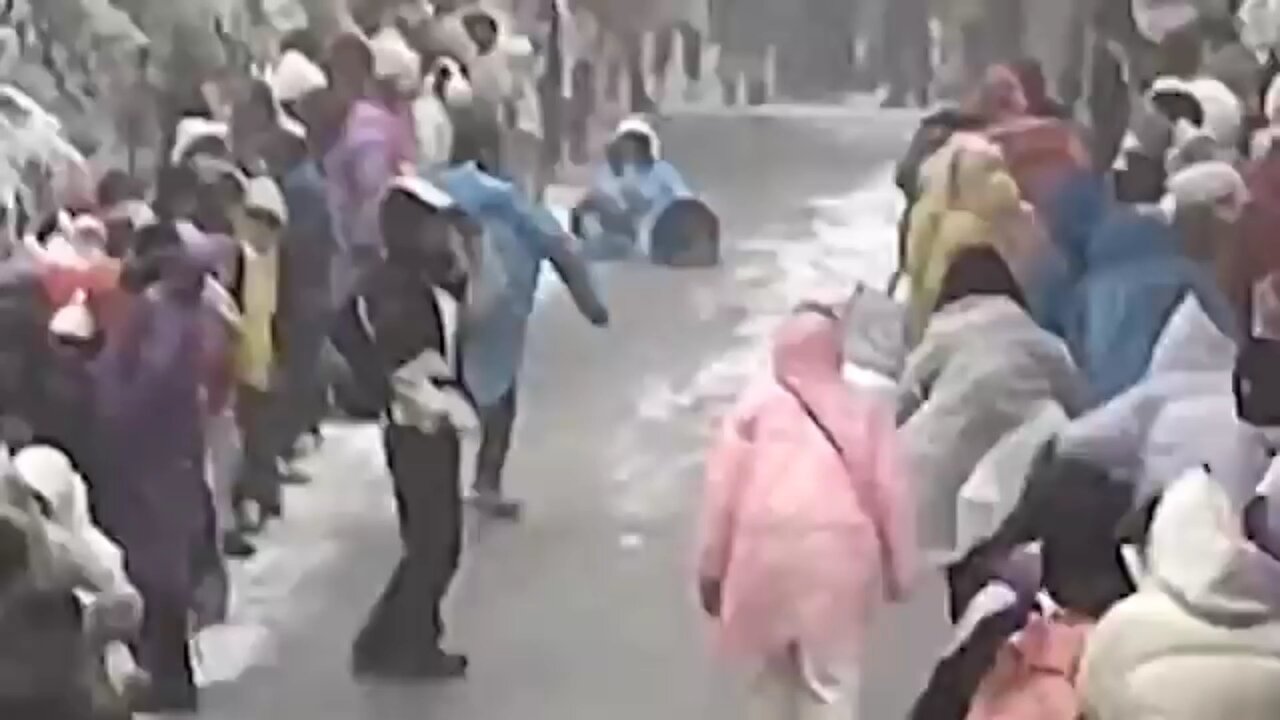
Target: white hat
(395, 61)
(48, 472)
(640, 126)
(192, 130)
(1223, 111)
(1214, 183)
(74, 321)
(424, 191)
(295, 77)
(263, 194)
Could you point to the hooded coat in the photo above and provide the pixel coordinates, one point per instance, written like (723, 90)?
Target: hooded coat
(1136, 277)
(152, 495)
(983, 369)
(1201, 638)
(806, 519)
(1181, 415)
(968, 200)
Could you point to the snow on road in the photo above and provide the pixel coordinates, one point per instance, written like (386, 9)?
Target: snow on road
(848, 238)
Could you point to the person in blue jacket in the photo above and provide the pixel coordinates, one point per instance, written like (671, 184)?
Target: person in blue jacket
(518, 237)
(1137, 275)
(629, 193)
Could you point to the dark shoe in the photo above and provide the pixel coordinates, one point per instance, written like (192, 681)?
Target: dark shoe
(148, 700)
(236, 545)
(494, 505)
(436, 665)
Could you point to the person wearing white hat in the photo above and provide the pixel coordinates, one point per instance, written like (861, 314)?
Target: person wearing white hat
(399, 336)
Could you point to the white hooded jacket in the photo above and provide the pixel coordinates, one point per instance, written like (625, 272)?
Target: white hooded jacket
(1181, 416)
(983, 369)
(1201, 637)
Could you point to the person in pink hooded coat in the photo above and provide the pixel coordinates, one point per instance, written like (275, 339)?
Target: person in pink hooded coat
(806, 524)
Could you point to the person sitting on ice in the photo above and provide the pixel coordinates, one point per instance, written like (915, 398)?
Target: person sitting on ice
(631, 206)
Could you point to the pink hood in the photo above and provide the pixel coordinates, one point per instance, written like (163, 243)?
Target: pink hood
(807, 528)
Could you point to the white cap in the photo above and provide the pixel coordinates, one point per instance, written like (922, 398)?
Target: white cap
(263, 195)
(48, 472)
(395, 61)
(192, 130)
(295, 76)
(424, 191)
(74, 321)
(1214, 183)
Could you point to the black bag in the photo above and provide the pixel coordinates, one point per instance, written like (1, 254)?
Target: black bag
(1257, 382)
(686, 235)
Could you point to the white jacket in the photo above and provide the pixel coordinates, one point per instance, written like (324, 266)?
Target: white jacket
(49, 475)
(983, 369)
(1181, 416)
(1201, 639)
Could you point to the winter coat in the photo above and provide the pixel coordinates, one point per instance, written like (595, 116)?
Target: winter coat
(1181, 415)
(49, 474)
(983, 369)
(806, 520)
(153, 497)
(519, 237)
(1071, 217)
(376, 145)
(968, 199)
(1136, 277)
(1201, 638)
(992, 491)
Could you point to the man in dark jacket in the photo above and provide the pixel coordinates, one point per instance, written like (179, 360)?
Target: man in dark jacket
(399, 336)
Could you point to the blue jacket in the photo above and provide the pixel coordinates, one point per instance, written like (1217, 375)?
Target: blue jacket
(1070, 218)
(521, 236)
(1136, 278)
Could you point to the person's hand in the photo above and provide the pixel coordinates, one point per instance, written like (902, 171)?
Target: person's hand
(597, 316)
(709, 594)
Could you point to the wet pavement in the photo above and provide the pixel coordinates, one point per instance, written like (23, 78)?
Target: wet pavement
(585, 609)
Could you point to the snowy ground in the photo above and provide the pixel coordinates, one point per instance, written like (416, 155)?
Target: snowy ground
(584, 610)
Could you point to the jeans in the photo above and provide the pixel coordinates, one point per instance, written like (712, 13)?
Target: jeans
(257, 413)
(406, 623)
(497, 423)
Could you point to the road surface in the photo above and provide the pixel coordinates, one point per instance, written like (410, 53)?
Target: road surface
(585, 609)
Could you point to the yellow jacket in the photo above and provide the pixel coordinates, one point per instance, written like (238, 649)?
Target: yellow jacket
(968, 200)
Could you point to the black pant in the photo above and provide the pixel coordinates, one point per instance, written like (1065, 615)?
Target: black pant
(257, 413)
(162, 648)
(405, 624)
(497, 423)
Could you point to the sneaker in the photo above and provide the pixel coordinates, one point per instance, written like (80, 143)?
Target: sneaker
(494, 505)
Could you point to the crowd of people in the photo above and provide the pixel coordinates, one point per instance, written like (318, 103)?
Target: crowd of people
(358, 230)
(1081, 440)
